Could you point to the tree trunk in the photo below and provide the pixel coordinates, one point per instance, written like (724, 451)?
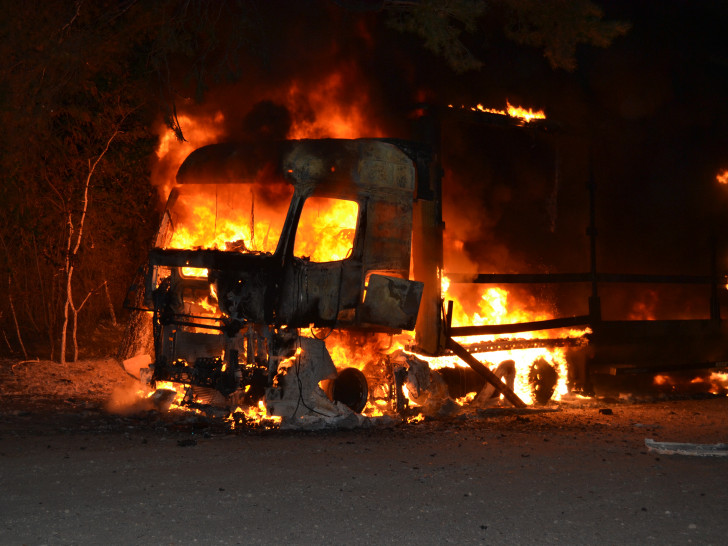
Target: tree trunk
(15, 318)
(72, 252)
(111, 305)
(69, 289)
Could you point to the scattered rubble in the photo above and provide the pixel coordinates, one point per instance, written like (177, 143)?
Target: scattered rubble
(43, 397)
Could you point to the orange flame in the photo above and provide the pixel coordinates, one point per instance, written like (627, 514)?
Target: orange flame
(526, 115)
(715, 383)
(336, 113)
(722, 177)
(326, 229)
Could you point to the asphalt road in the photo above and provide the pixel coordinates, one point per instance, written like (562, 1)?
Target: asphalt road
(574, 476)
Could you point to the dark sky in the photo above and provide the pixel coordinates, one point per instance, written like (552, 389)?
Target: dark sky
(659, 111)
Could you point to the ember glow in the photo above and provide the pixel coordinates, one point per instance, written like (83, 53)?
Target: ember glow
(714, 382)
(722, 177)
(645, 309)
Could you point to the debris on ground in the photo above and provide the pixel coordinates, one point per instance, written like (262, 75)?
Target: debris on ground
(695, 450)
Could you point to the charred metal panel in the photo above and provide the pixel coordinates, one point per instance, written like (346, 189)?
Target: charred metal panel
(209, 259)
(348, 168)
(391, 301)
(244, 295)
(388, 236)
(232, 162)
(385, 167)
(192, 345)
(243, 281)
(389, 178)
(310, 293)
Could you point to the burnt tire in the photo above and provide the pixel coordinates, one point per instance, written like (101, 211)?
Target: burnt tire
(543, 379)
(351, 389)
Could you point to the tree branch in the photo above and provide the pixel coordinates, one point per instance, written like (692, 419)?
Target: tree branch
(67, 26)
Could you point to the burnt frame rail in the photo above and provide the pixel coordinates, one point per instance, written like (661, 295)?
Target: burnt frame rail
(594, 316)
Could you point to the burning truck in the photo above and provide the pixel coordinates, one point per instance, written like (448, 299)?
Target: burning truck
(304, 279)
(269, 252)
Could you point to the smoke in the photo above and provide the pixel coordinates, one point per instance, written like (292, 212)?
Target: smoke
(129, 399)
(267, 121)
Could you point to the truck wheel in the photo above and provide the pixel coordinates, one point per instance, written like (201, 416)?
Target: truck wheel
(351, 389)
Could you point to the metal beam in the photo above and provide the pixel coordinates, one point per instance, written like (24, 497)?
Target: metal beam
(551, 278)
(483, 370)
(491, 329)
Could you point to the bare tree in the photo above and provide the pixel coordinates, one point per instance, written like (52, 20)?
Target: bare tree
(75, 236)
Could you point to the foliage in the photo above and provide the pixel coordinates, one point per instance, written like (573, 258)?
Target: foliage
(440, 24)
(559, 26)
(555, 26)
(70, 73)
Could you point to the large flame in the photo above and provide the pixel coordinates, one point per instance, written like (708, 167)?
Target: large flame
(214, 217)
(337, 113)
